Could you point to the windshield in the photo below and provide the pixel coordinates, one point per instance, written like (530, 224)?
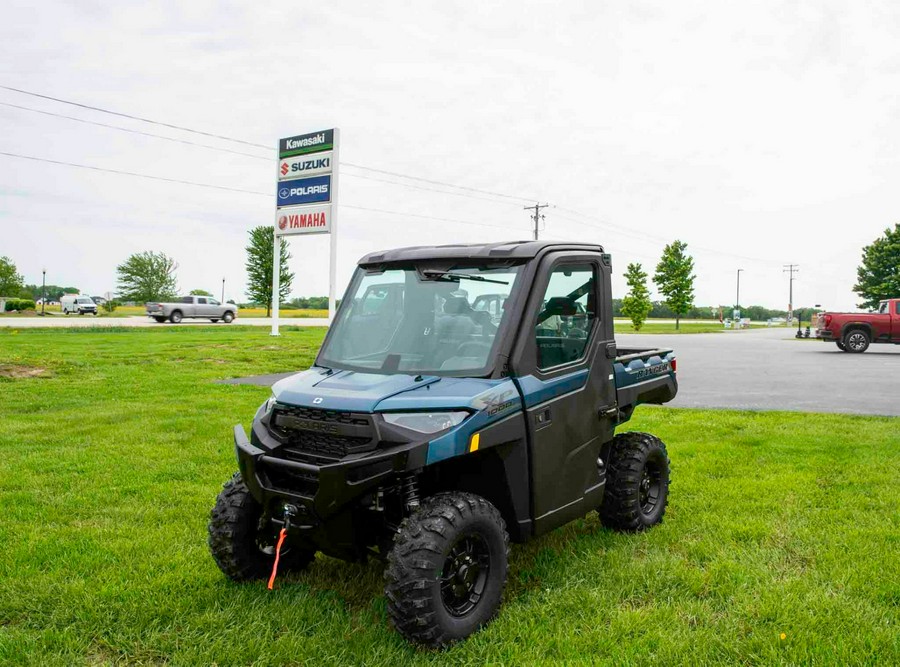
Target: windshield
(84, 300)
(421, 320)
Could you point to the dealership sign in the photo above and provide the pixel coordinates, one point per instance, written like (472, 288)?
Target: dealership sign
(313, 190)
(302, 144)
(303, 220)
(306, 185)
(305, 165)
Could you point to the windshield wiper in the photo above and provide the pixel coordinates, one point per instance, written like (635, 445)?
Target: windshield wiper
(461, 276)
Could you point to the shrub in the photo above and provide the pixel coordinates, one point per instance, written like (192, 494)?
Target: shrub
(19, 304)
(110, 305)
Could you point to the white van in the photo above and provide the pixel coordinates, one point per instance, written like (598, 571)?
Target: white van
(77, 303)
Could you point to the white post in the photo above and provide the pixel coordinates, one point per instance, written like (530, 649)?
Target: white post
(332, 238)
(276, 281)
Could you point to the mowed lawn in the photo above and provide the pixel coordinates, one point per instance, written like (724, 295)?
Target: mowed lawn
(780, 545)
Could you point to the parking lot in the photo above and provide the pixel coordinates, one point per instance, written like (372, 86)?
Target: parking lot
(768, 369)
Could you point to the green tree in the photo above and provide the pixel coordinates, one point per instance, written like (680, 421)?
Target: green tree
(636, 305)
(147, 276)
(200, 292)
(260, 270)
(878, 277)
(11, 282)
(675, 278)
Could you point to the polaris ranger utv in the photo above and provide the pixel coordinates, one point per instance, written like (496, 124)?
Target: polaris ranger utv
(430, 432)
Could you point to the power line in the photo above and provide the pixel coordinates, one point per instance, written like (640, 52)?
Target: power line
(143, 120)
(433, 182)
(420, 187)
(135, 174)
(430, 217)
(252, 192)
(233, 152)
(660, 239)
(130, 131)
(256, 145)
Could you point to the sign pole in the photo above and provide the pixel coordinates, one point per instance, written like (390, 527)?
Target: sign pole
(276, 281)
(332, 240)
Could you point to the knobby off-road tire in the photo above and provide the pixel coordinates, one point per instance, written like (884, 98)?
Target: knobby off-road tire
(856, 341)
(242, 548)
(447, 570)
(637, 483)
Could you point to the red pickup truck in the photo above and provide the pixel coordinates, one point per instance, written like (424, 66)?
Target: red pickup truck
(854, 332)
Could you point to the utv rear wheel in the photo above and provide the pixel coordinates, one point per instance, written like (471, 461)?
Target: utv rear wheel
(242, 542)
(447, 570)
(637, 482)
(856, 340)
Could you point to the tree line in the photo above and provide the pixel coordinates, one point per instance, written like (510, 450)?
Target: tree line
(151, 276)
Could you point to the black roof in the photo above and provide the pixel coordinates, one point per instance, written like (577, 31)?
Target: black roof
(475, 251)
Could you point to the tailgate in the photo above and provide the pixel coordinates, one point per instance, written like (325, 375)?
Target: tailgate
(645, 376)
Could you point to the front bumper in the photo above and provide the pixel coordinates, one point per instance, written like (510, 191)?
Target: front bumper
(318, 492)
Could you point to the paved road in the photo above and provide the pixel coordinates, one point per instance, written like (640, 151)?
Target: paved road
(767, 369)
(59, 321)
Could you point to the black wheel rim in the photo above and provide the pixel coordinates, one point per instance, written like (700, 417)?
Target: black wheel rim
(856, 341)
(465, 574)
(651, 485)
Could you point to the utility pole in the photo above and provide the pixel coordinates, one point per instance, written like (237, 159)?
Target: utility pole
(738, 301)
(223, 290)
(537, 217)
(792, 269)
(43, 290)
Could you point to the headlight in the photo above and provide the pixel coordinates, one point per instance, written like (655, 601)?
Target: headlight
(268, 405)
(425, 422)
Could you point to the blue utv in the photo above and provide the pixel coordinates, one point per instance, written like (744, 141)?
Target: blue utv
(465, 396)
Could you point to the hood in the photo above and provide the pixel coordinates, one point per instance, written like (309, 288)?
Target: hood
(370, 392)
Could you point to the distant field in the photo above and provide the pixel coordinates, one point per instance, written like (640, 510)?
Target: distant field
(667, 327)
(779, 547)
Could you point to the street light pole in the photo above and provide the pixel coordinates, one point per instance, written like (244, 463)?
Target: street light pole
(738, 299)
(223, 290)
(43, 290)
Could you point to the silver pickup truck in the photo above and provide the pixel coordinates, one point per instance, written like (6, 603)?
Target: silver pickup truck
(204, 307)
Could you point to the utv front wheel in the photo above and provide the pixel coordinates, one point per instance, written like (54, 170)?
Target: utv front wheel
(447, 570)
(637, 482)
(242, 542)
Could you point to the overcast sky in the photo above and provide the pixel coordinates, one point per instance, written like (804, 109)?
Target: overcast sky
(759, 133)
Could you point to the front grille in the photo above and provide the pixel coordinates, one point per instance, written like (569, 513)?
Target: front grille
(310, 433)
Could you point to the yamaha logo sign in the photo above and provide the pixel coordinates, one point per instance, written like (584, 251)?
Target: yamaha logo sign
(303, 220)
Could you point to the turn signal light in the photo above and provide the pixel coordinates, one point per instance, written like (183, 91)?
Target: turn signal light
(674, 365)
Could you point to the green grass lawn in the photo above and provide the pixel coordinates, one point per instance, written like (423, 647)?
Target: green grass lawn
(780, 525)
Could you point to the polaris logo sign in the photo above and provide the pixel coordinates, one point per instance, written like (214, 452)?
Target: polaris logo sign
(304, 191)
(303, 220)
(305, 165)
(303, 144)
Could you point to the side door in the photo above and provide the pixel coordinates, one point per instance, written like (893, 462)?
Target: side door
(895, 320)
(562, 362)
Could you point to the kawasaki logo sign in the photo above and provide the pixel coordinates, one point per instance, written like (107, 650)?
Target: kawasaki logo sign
(304, 144)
